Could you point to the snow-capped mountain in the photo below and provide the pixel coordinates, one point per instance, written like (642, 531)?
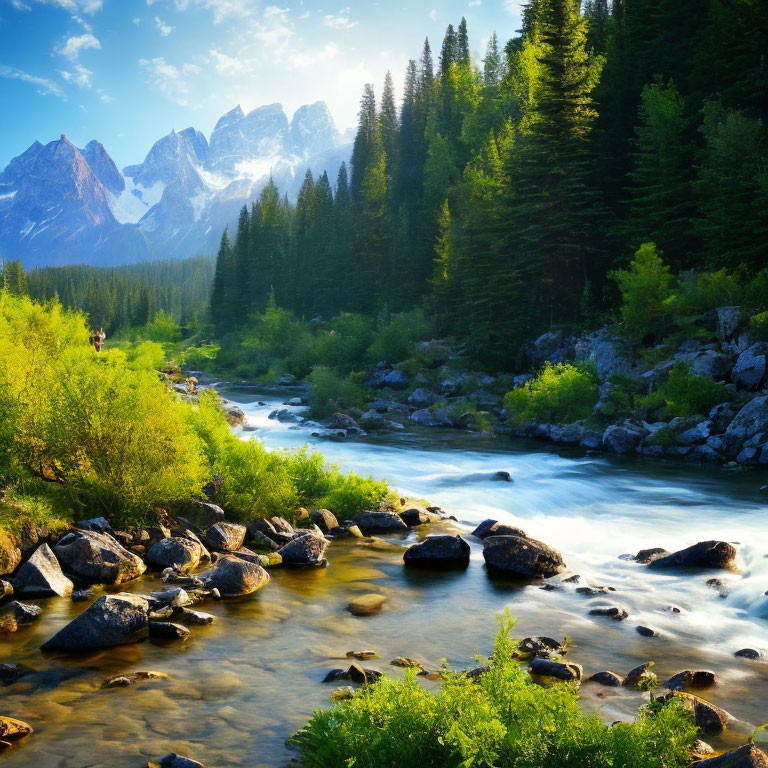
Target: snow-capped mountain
(62, 205)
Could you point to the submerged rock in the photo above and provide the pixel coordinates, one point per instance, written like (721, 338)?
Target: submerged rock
(111, 620)
(16, 614)
(646, 556)
(12, 729)
(640, 677)
(41, 575)
(98, 558)
(612, 612)
(690, 679)
(749, 653)
(705, 554)
(443, 551)
(172, 760)
(514, 555)
(545, 647)
(367, 605)
(234, 577)
(131, 678)
(167, 630)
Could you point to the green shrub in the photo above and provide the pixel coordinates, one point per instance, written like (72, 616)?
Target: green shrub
(646, 293)
(666, 437)
(200, 357)
(394, 341)
(503, 719)
(687, 395)
(148, 355)
(162, 329)
(707, 291)
(330, 392)
(759, 325)
(617, 403)
(561, 393)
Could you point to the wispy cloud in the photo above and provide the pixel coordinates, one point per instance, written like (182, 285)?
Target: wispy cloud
(163, 28)
(339, 21)
(80, 75)
(72, 47)
(73, 6)
(221, 9)
(45, 87)
(171, 80)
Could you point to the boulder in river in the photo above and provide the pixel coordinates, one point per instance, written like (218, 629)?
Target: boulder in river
(646, 556)
(41, 576)
(698, 678)
(517, 556)
(10, 673)
(16, 614)
(708, 717)
(97, 558)
(623, 438)
(109, 621)
(131, 678)
(545, 647)
(10, 554)
(443, 551)
(180, 553)
(414, 516)
(558, 669)
(324, 519)
(234, 577)
(167, 630)
(705, 554)
(225, 536)
(495, 528)
(749, 653)
(12, 729)
(304, 550)
(613, 612)
(367, 605)
(646, 631)
(750, 422)
(607, 678)
(749, 371)
(748, 756)
(172, 760)
(640, 677)
(380, 522)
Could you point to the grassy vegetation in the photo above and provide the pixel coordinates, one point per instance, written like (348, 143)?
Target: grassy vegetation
(83, 433)
(561, 393)
(503, 720)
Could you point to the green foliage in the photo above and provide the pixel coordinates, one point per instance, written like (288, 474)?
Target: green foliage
(645, 292)
(502, 719)
(758, 324)
(162, 329)
(394, 340)
(561, 393)
(331, 392)
(666, 437)
(683, 394)
(617, 402)
(700, 293)
(121, 443)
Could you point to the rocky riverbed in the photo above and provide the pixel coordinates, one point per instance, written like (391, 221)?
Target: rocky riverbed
(226, 679)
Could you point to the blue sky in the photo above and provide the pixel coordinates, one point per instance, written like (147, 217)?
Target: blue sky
(128, 71)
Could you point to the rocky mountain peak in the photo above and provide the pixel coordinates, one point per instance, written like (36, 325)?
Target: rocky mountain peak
(103, 166)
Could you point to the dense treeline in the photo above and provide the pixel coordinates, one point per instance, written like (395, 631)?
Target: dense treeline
(500, 196)
(117, 298)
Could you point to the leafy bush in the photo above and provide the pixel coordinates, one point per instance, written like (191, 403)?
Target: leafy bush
(162, 329)
(503, 719)
(395, 339)
(701, 293)
(561, 393)
(687, 395)
(617, 402)
(330, 392)
(666, 437)
(759, 325)
(108, 437)
(646, 292)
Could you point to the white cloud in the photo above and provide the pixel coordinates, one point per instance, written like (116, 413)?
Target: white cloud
(20, 6)
(73, 6)
(228, 65)
(104, 96)
(163, 28)
(221, 9)
(45, 87)
(475, 3)
(71, 49)
(81, 76)
(433, 14)
(340, 21)
(169, 79)
(136, 20)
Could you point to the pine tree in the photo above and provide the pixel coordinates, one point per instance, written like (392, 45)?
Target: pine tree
(365, 140)
(462, 43)
(389, 127)
(221, 306)
(14, 279)
(243, 268)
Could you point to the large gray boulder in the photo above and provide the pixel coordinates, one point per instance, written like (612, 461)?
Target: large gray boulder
(422, 398)
(324, 519)
(623, 438)
(15, 614)
(181, 553)
(97, 558)
(225, 536)
(304, 550)
(749, 371)
(729, 321)
(705, 554)
(111, 620)
(442, 551)
(380, 522)
(437, 418)
(41, 576)
(750, 422)
(608, 352)
(516, 556)
(234, 577)
(494, 528)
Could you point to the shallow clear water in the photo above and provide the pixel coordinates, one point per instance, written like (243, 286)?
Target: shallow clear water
(237, 689)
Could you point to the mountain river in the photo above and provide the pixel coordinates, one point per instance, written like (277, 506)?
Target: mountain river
(236, 689)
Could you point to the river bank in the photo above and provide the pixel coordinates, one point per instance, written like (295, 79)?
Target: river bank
(254, 676)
